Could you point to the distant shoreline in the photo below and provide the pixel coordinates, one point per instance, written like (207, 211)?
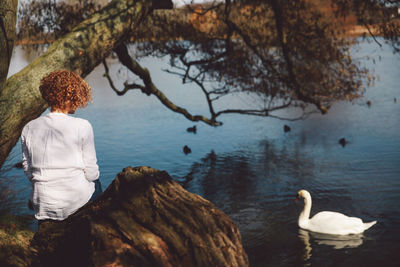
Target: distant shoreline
(359, 31)
(355, 31)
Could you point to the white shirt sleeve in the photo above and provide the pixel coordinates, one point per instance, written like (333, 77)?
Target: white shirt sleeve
(91, 168)
(26, 159)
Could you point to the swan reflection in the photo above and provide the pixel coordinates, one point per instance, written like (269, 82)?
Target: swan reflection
(335, 241)
(303, 234)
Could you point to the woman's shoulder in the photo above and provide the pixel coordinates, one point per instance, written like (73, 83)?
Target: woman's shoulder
(81, 122)
(33, 122)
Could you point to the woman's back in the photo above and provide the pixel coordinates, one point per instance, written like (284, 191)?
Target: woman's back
(59, 154)
(55, 141)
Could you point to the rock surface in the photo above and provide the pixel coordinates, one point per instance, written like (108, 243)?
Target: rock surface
(143, 218)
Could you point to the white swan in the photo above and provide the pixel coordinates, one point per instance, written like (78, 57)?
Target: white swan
(329, 222)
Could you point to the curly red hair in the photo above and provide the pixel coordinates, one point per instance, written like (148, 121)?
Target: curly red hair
(65, 90)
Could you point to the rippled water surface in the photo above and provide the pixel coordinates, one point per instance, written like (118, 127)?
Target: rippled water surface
(252, 170)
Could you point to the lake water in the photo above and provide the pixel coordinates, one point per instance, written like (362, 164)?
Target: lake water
(252, 170)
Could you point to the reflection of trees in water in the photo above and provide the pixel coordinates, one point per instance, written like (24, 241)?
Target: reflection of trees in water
(239, 176)
(222, 179)
(256, 187)
(277, 163)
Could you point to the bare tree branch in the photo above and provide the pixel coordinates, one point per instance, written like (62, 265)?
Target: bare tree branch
(266, 113)
(151, 89)
(371, 33)
(127, 86)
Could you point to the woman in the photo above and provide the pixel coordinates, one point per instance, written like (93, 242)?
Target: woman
(59, 156)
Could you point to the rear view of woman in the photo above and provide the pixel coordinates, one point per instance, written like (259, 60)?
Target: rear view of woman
(58, 151)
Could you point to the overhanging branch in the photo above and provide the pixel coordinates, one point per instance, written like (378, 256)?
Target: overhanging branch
(151, 89)
(278, 16)
(371, 33)
(127, 86)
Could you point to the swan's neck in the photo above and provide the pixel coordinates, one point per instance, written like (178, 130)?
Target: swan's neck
(305, 214)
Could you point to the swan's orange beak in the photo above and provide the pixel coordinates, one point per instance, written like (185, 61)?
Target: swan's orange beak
(297, 198)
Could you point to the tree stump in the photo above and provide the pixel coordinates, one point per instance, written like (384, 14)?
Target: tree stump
(143, 218)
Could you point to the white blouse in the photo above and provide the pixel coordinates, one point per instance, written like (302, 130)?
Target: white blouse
(59, 159)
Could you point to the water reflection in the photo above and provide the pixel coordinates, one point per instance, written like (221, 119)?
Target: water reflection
(255, 187)
(221, 179)
(252, 178)
(334, 241)
(305, 237)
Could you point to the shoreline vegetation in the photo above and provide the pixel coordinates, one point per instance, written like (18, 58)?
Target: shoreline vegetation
(209, 21)
(351, 31)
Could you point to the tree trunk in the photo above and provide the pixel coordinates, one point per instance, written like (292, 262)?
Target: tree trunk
(8, 19)
(144, 218)
(81, 51)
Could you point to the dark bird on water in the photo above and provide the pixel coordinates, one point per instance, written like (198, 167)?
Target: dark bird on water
(192, 129)
(186, 150)
(286, 128)
(343, 141)
(369, 103)
(18, 165)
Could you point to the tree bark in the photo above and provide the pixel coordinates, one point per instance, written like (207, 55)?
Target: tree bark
(80, 51)
(144, 218)
(8, 20)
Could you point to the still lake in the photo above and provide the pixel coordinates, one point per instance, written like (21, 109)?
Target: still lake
(252, 170)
